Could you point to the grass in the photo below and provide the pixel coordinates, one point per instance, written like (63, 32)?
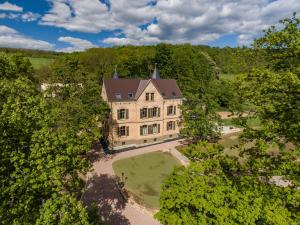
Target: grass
(145, 175)
(230, 140)
(229, 76)
(37, 63)
(251, 122)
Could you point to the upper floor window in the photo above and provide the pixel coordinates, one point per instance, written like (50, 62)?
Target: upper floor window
(123, 131)
(149, 112)
(171, 110)
(171, 125)
(143, 113)
(123, 114)
(149, 96)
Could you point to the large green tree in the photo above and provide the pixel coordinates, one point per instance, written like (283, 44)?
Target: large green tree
(218, 189)
(41, 156)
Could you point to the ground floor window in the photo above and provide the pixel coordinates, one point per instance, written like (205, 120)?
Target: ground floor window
(171, 125)
(123, 131)
(149, 129)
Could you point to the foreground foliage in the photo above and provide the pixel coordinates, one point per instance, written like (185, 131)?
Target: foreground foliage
(41, 153)
(263, 188)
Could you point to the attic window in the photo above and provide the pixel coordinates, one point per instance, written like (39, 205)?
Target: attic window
(130, 95)
(118, 96)
(173, 93)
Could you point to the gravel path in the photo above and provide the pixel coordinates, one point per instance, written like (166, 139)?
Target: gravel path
(101, 190)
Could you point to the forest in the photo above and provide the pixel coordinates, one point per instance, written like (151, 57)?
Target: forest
(45, 142)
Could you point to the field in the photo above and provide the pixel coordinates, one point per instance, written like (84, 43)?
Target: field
(37, 63)
(145, 174)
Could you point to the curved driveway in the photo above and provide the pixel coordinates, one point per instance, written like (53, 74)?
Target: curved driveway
(101, 190)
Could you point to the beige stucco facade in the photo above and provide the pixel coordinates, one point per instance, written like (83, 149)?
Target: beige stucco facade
(133, 136)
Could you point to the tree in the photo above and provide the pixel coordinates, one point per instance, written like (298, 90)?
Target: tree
(283, 45)
(40, 156)
(215, 189)
(218, 189)
(199, 123)
(63, 210)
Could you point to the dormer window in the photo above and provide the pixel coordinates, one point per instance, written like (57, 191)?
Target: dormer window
(130, 95)
(118, 96)
(173, 93)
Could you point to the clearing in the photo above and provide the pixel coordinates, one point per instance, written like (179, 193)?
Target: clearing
(145, 175)
(37, 63)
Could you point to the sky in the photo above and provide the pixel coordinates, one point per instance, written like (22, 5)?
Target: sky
(76, 25)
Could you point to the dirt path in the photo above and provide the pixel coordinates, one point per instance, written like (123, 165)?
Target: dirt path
(101, 190)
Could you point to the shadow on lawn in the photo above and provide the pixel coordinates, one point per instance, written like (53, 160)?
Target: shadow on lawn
(102, 191)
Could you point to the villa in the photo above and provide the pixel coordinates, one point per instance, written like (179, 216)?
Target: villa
(143, 112)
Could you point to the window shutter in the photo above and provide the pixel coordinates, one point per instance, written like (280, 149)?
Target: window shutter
(141, 113)
(173, 125)
(141, 130)
(127, 131)
(158, 128)
(150, 131)
(127, 113)
(174, 110)
(118, 114)
(158, 112)
(118, 131)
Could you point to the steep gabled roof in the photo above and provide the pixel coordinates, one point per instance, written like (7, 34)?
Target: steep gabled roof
(122, 87)
(131, 89)
(141, 88)
(168, 88)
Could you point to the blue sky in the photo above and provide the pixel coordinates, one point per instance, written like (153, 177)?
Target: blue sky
(75, 25)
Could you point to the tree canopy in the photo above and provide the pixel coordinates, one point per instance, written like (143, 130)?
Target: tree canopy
(43, 146)
(219, 189)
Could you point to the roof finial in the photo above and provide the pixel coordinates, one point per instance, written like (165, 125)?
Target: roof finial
(155, 74)
(116, 76)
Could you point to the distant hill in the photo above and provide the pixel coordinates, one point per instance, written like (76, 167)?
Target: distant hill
(32, 53)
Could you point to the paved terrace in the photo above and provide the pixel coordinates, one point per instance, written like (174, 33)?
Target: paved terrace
(102, 191)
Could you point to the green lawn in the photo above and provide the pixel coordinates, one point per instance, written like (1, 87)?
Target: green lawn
(251, 122)
(145, 174)
(40, 62)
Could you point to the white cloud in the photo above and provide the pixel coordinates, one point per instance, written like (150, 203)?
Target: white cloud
(25, 17)
(29, 16)
(6, 6)
(11, 38)
(176, 21)
(245, 39)
(7, 30)
(77, 44)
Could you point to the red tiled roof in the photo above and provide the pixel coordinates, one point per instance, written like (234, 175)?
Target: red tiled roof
(130, 89)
